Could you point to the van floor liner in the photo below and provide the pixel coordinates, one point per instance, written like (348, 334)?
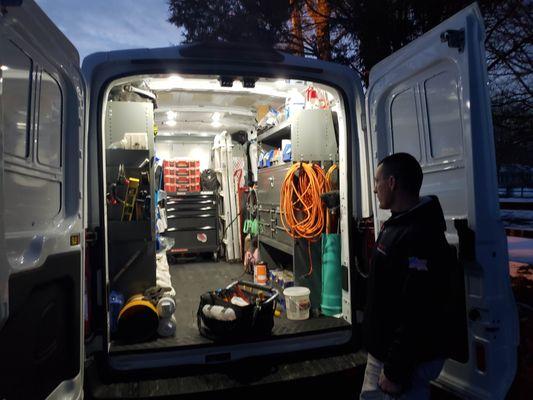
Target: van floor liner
(190, 280)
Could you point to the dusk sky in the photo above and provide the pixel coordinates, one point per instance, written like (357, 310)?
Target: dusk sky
(100, 25)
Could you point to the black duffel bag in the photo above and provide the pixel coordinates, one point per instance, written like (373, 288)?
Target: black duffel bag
(221, 320)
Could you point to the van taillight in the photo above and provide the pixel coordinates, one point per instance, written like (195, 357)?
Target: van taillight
(88, 286)
(481, 357)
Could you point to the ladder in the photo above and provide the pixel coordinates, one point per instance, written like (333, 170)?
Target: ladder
(130, 200)
(223, 166)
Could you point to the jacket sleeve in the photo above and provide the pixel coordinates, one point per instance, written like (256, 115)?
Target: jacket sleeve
(416, 303)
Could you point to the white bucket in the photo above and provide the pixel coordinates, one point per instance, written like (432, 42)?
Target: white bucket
(297, 302)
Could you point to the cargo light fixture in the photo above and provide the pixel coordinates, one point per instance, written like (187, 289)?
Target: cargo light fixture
(216, 120)
(171, 115)
(172, 82)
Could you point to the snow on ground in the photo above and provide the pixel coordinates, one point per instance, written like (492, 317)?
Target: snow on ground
(516, 199)
(527, 192)
(520, 249)
(517, 219)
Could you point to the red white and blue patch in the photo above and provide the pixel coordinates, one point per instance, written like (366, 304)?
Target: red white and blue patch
(418, 264)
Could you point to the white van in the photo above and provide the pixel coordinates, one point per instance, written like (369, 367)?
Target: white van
(429, 99)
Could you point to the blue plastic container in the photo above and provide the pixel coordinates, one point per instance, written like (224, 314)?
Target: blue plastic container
(287, 150)
(331, 275)
(116, 302)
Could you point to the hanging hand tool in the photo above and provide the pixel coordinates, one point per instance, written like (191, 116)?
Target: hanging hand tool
(130, 200)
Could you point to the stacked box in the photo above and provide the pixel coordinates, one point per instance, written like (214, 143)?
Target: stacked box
(181, 175)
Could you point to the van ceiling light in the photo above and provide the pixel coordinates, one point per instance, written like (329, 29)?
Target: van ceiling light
(171, 123)
(173, 79)
(216, 116)
(216, 124)
(172, 82)
(4, 67)
(171, 115)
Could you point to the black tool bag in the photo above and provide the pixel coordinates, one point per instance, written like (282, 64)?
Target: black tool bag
(251, 321)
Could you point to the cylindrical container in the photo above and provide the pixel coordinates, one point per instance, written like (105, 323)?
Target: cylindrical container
(331, 275)
(297, 302)
(166, 307)
(260, 273)
(219, 313)
(138, 320)
(167, 327)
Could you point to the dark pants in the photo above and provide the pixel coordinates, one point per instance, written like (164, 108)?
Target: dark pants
(419, 390)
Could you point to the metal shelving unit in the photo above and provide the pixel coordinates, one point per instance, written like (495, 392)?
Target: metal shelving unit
(274, 135)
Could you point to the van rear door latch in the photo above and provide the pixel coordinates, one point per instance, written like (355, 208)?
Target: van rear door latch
(454, 38)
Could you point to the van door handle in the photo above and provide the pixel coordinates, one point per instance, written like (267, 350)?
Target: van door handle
(475, 316)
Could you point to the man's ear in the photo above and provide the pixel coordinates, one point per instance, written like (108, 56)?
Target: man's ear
(391, 180)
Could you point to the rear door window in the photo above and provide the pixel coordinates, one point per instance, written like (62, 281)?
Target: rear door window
(49, 133)
(16, 69)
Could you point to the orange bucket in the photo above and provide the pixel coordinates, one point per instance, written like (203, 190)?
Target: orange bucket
(260, 273)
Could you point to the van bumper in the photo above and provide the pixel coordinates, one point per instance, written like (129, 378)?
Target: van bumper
(344, 371)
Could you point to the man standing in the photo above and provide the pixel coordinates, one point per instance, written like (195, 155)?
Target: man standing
(405, 324)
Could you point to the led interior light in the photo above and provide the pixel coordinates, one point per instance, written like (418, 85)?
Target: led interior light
(216, 124)
(172, 82)
(174, 79)
(171, 123)
(216, 117)
(171, 115)
(4, 67)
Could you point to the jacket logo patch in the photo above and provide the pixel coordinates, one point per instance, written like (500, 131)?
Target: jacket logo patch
(418, 264)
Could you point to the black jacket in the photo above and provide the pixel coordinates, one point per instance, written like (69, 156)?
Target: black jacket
(406, 320)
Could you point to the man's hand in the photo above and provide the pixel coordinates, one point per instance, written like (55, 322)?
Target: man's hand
(388, 386)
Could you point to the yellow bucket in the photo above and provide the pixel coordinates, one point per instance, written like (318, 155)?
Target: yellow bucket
(137, 320)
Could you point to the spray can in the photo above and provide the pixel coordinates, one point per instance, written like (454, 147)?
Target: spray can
(166, 307)
(167, 326)
(260, 273)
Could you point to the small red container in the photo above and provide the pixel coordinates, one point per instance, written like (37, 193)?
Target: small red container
(182, 171)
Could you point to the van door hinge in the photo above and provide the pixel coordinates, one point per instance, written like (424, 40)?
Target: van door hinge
(454, 38)
(8, 3)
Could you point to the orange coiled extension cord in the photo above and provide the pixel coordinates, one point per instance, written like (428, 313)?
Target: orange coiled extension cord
(301, 208)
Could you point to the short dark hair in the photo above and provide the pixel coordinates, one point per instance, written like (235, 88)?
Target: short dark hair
(406, 169)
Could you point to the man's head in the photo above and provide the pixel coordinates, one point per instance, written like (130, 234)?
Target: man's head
(397, 182)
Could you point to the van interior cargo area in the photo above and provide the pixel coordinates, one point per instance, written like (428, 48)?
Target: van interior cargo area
(223, 210)
(196, 278)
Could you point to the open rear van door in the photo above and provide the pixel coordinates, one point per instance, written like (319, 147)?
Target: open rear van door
(430, 99)
(41, 211)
